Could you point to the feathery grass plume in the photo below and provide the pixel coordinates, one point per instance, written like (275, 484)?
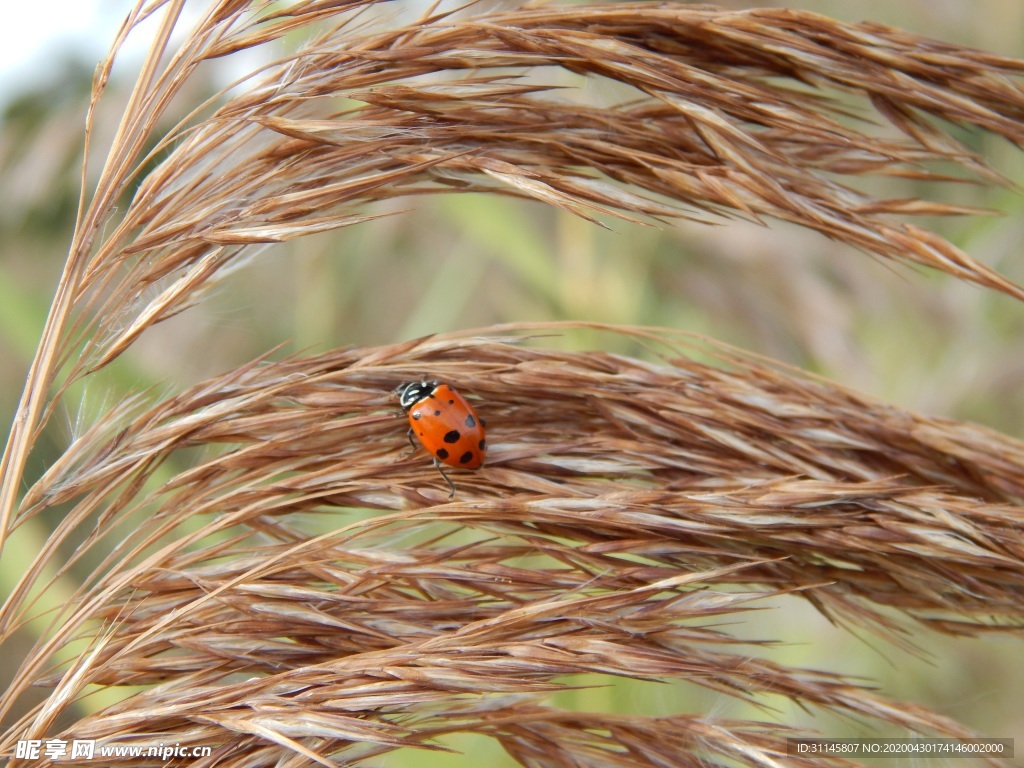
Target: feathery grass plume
(626, 505)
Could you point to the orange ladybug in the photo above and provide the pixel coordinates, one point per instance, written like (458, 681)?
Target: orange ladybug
(446, 425)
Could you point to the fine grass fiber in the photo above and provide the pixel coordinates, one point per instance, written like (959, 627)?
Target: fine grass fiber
(254, 561)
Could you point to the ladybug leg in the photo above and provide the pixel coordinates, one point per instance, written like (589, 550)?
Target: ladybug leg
(411, 444)
(446, 479)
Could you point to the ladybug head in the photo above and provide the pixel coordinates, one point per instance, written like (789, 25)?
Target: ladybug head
(412, 392)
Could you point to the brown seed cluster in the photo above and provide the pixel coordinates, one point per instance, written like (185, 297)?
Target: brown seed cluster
(624, 504)
(220, 539)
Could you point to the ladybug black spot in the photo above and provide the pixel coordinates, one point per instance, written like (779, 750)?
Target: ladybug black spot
(466, 457)
(483, 446)
(470, 421)
(437, 413)
(452, 437)
(442, 454)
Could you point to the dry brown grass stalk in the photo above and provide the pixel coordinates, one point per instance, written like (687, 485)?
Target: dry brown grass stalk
(625, 505)
(614, 489)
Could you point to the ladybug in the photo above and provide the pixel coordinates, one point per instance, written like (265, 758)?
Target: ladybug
(446, 425)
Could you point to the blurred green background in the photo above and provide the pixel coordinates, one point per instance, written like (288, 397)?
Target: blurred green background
(921, 340)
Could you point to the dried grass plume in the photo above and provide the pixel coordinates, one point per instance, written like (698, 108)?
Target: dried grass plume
(627, 505)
